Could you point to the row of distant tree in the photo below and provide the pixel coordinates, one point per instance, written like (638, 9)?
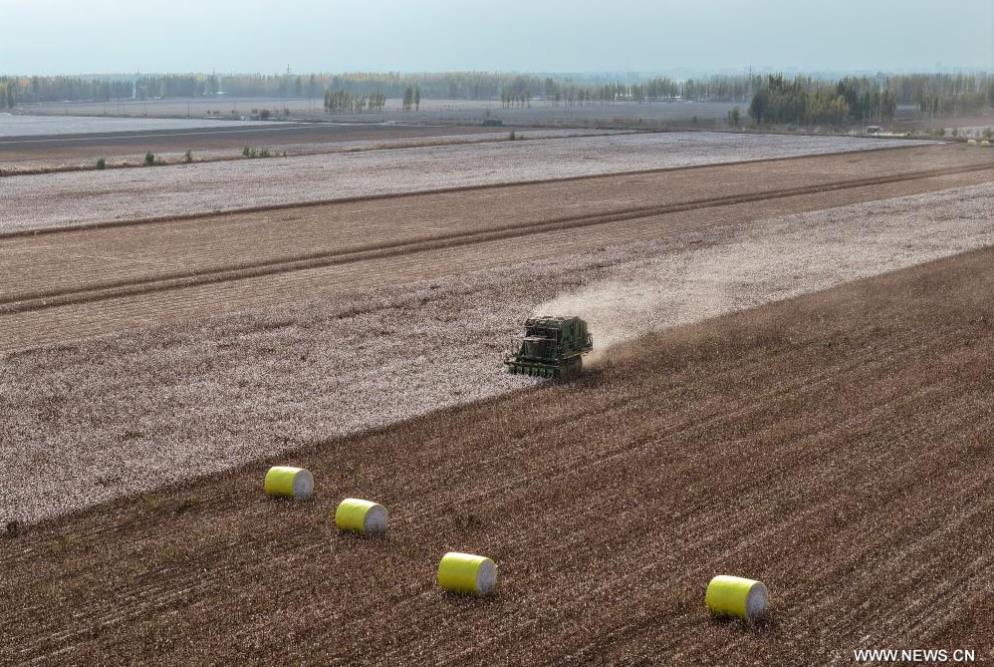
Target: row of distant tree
(8, 94)
(771, 98)
(412, 98)
(521, 90)
(341, 101)
(452, 85)
(805, 101)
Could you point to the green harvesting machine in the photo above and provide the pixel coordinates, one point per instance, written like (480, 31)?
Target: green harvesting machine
(551, 348)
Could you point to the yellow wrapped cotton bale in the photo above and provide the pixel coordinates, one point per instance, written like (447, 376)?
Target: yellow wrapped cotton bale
(467, 573)
(361, 516)
(736, 596)
(289, 482)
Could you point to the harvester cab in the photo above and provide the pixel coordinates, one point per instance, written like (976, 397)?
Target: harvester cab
(551, 348)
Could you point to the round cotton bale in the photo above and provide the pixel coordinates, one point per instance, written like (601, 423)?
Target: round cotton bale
(467, 573)
(361, 516)
(289, 482)
(736, 596)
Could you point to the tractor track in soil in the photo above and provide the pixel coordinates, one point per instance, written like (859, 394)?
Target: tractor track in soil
(42, 300)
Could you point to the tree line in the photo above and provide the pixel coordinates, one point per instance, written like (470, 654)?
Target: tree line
(511, 89)
(801, 99)
(807, 101)
(412, 98)
(343, 102)
(8, 94)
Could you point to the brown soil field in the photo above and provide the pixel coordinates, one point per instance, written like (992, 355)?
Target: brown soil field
(67, 284)
(835, 446)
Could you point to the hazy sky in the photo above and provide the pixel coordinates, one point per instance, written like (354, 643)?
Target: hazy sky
(91, 36)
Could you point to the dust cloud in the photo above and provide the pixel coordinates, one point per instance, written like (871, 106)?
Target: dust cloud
(773, 260)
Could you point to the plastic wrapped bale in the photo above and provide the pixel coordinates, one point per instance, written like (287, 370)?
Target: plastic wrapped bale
(289, 482)
(361, 516)
(468, 574)
(736, 596)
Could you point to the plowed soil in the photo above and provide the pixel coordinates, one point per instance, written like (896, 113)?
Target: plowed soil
(836, 446)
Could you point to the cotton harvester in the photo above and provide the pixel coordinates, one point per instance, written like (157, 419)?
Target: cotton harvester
(551, 348)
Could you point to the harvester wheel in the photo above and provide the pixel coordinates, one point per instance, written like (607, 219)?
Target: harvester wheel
(572, 368)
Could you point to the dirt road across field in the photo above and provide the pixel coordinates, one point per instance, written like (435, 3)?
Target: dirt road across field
(835, 446)
(71, 284)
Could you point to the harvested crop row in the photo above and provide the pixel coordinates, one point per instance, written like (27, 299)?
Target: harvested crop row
(208, 395)
(66, 324)
(832, 445)
(32, 263)
(281, 257)
(54, 200)
(77, 258)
